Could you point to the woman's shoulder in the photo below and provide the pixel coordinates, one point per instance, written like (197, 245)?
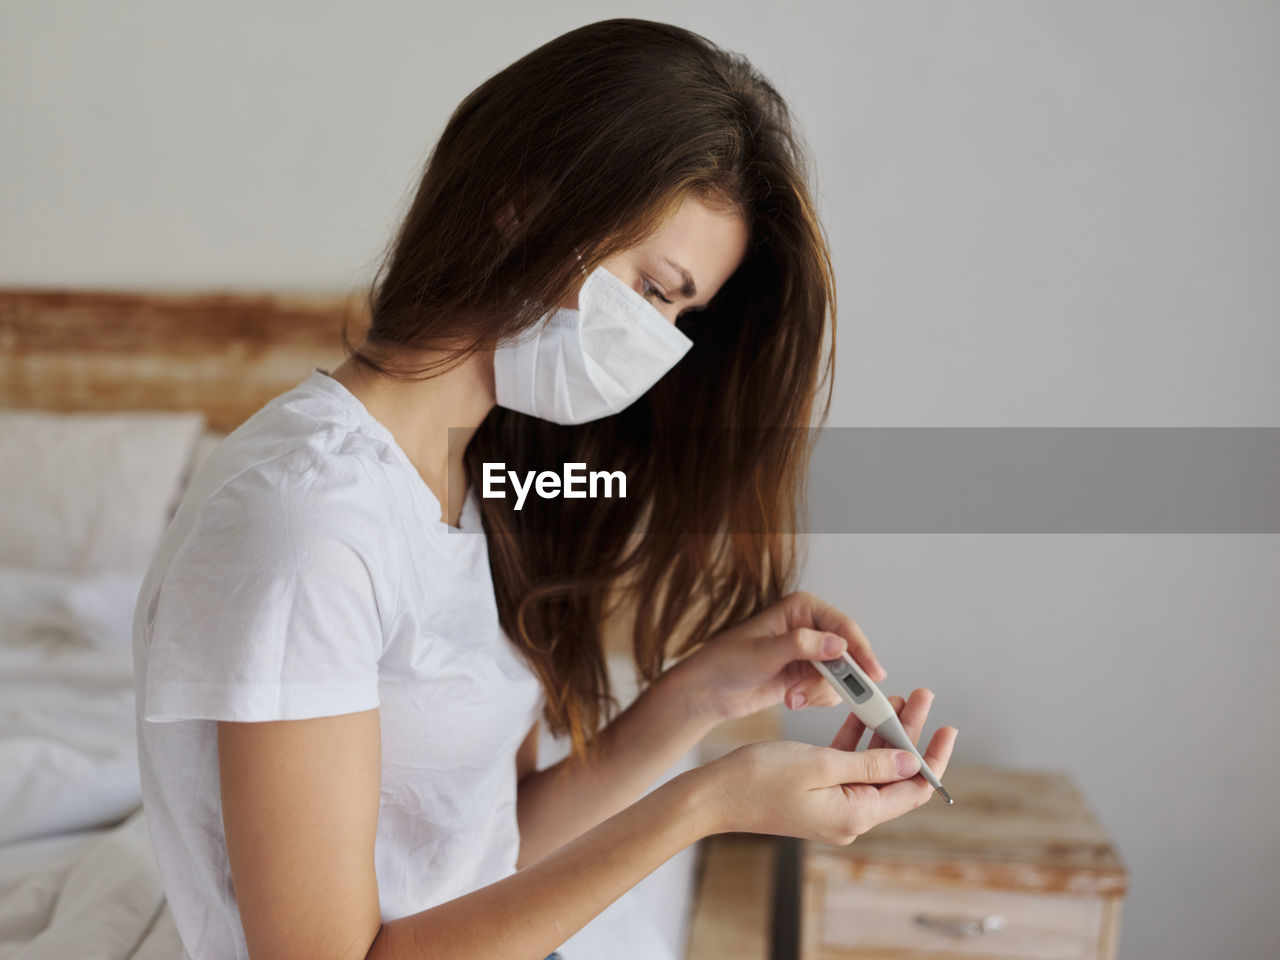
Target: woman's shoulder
(306, 450)
(284, 500)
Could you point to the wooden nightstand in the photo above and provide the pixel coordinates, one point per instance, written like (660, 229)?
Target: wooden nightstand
(1018, 868)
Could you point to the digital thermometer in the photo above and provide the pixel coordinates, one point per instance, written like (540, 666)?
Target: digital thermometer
(873, 708)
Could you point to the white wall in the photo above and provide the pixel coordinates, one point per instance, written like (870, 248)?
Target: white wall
(1041, 214)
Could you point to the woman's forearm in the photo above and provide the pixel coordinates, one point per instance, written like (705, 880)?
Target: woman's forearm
(532, 912)
(643, 742)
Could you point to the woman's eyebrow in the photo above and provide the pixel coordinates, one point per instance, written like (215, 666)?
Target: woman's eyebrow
(690, 289)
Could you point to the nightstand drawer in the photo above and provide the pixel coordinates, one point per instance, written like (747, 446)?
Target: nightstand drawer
(1019, 847)
(883, 920)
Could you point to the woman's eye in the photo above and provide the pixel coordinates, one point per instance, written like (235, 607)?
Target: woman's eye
(649, 290)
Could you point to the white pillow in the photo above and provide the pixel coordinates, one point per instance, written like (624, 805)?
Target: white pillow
(85, 492)
(51, 610)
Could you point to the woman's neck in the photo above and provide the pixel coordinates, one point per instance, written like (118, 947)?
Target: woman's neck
(431, 420)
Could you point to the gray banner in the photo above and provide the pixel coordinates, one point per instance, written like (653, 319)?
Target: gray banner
(1008, 480)
(1045, 480)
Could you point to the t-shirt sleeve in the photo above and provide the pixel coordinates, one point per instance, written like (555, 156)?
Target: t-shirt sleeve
(270, 609)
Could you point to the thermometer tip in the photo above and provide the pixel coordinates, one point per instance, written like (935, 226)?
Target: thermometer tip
(946, 796)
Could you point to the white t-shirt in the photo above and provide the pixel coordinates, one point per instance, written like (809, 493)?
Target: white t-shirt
(308, 573)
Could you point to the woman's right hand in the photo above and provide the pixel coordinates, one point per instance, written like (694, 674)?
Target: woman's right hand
(832, 794)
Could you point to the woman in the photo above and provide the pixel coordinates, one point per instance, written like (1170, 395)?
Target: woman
(343, 651)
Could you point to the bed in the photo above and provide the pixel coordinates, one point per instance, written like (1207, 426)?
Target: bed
(108, 401)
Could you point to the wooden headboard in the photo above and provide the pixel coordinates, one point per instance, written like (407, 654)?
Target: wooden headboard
(224, 354)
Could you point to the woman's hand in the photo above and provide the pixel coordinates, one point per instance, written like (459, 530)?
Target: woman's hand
(833, 794)
(763, 661)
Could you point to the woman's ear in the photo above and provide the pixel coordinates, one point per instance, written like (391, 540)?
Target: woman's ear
(506, 221)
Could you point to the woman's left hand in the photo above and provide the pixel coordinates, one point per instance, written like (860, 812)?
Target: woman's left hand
(763, 660)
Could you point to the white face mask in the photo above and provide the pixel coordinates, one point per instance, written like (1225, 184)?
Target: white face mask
(591, 362)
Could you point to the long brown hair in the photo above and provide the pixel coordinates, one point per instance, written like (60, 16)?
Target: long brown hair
(591, 140)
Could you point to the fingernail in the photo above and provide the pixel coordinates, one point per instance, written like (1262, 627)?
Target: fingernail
(907, 764)
(797, 701)
(832, 646)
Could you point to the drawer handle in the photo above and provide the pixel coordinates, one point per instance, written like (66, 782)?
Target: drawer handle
(963, 926)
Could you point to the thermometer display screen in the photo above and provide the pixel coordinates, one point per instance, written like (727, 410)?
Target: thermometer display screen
(842, 673)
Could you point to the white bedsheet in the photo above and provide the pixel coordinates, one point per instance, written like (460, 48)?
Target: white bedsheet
(92, 895)
(67, 744)
(68, 759)
(77, 874)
